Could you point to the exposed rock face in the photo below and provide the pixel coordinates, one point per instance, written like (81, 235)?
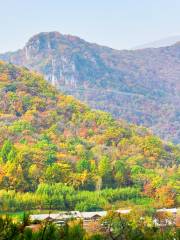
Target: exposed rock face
(141, 86)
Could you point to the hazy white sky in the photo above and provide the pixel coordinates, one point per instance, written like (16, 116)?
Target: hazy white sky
(115, 23)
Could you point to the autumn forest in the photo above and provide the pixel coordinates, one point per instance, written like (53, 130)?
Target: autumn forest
(57, 153)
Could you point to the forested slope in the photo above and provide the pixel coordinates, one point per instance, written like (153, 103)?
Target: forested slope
(55, 151)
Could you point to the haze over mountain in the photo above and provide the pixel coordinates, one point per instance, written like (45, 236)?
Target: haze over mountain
(159, 43)
(141, 86)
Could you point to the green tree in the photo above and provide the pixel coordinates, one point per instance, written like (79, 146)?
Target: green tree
(104, 170)
(7, 151)
(53, 173)
(121, 173)
(82, 165)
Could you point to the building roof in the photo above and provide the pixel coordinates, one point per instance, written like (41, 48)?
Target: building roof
(124, 211)
(68, 215)
(87, 215)
(170, 210)
(42, 217)
(93, 214)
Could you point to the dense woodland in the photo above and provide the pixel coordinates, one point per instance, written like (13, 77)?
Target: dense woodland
(57, 153)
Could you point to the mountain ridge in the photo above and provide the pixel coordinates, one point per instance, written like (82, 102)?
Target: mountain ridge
(159, 43)
(140, 86)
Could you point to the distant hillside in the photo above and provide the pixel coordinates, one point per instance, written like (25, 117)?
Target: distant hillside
(54, 147)
(142, 86)
(160, 43)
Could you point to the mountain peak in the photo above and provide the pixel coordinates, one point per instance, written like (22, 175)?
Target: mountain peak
(51, 40)
(47, 34)
(44, 40)
(177, 43)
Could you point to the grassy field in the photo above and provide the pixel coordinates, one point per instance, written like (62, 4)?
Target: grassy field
(19, 215)
(15, 215)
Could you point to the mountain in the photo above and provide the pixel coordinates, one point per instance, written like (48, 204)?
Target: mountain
(141, 86)
(160, 43)
(55, 152)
